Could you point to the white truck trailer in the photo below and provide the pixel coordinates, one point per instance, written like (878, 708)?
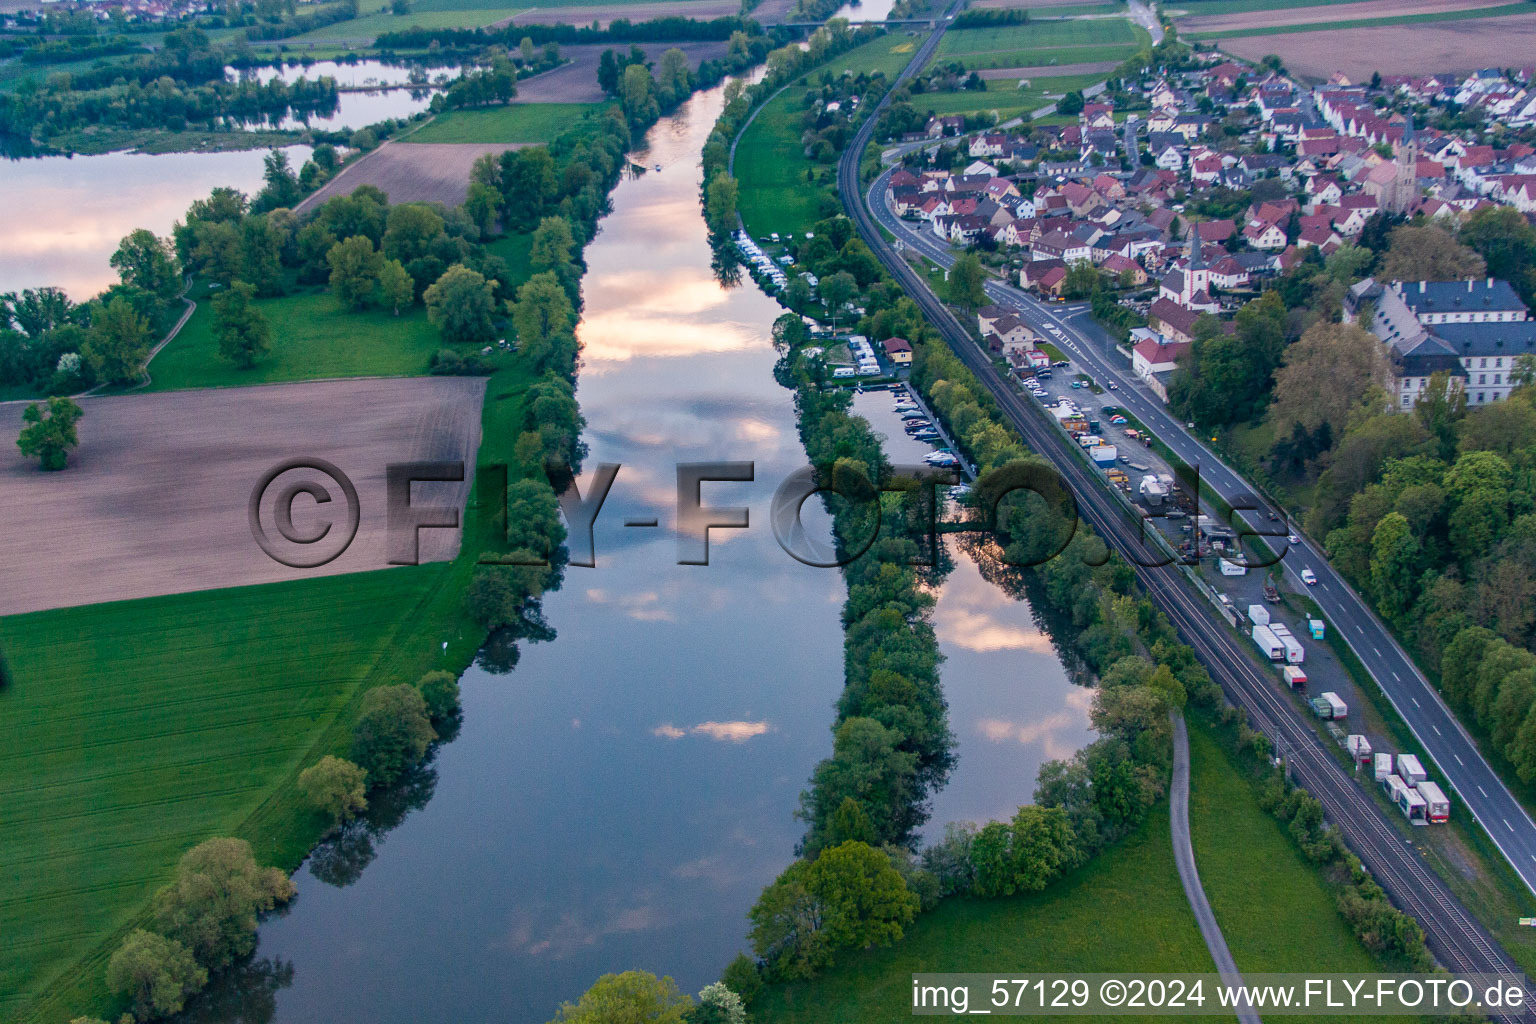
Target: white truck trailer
(1410, 769)
(1295, 678)
(1437, 806)
(1258, 615)
(1413, 806)
(1270, 644)
(1382, 767)
(1359, 748)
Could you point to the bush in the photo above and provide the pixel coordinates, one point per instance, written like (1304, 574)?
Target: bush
(392, 733)
(440, 691)
(742, 977)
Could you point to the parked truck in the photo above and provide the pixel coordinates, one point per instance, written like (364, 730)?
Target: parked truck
(1295, 678)
(1328, 705)
(1410, 769)
(1295, 654)
(1270, 644)
(1413, 805)
(1359, 748)
(1382, 767)
(1437, 806)
(1232, 568)
(1258, 615)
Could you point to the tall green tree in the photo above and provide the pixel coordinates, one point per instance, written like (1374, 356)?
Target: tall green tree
(212, 903)
(242, 331)
(49, 437)
(462, 304)
(544, 317)
(966, 279)
(145, 261)
(335, 787)
(392, 733)
(154, 973)
(720, 205)
(395, 284)
(355, 266)
(118, 343)
(634, 997)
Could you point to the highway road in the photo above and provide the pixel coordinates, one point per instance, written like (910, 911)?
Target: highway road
(1456, 756)
(1455, 937)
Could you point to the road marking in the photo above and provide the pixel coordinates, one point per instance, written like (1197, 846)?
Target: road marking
(1459, 760)
(1397, 677)
(1507, 824)
(1435, 727)
(1415, 701)
(1377, 650)
(1481, 790)
(1359, 630)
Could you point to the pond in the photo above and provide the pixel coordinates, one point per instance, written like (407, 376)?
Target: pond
(621, 796)
(374, 91)
(78, 208)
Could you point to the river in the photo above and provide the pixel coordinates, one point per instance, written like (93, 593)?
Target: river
(621, 796)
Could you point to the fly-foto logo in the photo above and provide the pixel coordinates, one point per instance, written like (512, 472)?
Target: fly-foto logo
(331, 511)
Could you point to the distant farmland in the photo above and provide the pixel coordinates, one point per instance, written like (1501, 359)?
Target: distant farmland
(1425, 48)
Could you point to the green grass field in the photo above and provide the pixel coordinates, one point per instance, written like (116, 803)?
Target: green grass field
(1406, 19)
(1039, 35)
(1274, 908)
(515, 122)
(136, 730)
(312, 337)
(1004, 96)
(1125, 911)
(770, 163)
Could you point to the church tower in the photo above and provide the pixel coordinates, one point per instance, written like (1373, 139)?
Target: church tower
(1404, 189)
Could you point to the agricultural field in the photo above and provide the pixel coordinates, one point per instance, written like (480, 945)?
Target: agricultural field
(369, 27)
(586, 13)
(312, 337)
(1439, 46)
(575, 81)
(1043, 43)
(516, 124)
(1034, 6)
(1197, 25)
(423, 171)
(771, 165)
(1124, 911)
(161, 483)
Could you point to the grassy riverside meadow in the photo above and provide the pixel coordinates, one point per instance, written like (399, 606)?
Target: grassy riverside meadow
(1123, 911)
(198, 711)
(771, 164)
(316, 339)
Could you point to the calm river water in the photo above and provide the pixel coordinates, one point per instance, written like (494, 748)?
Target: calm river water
(621, 796)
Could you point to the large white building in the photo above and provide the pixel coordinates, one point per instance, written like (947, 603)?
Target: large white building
(1472, 330)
